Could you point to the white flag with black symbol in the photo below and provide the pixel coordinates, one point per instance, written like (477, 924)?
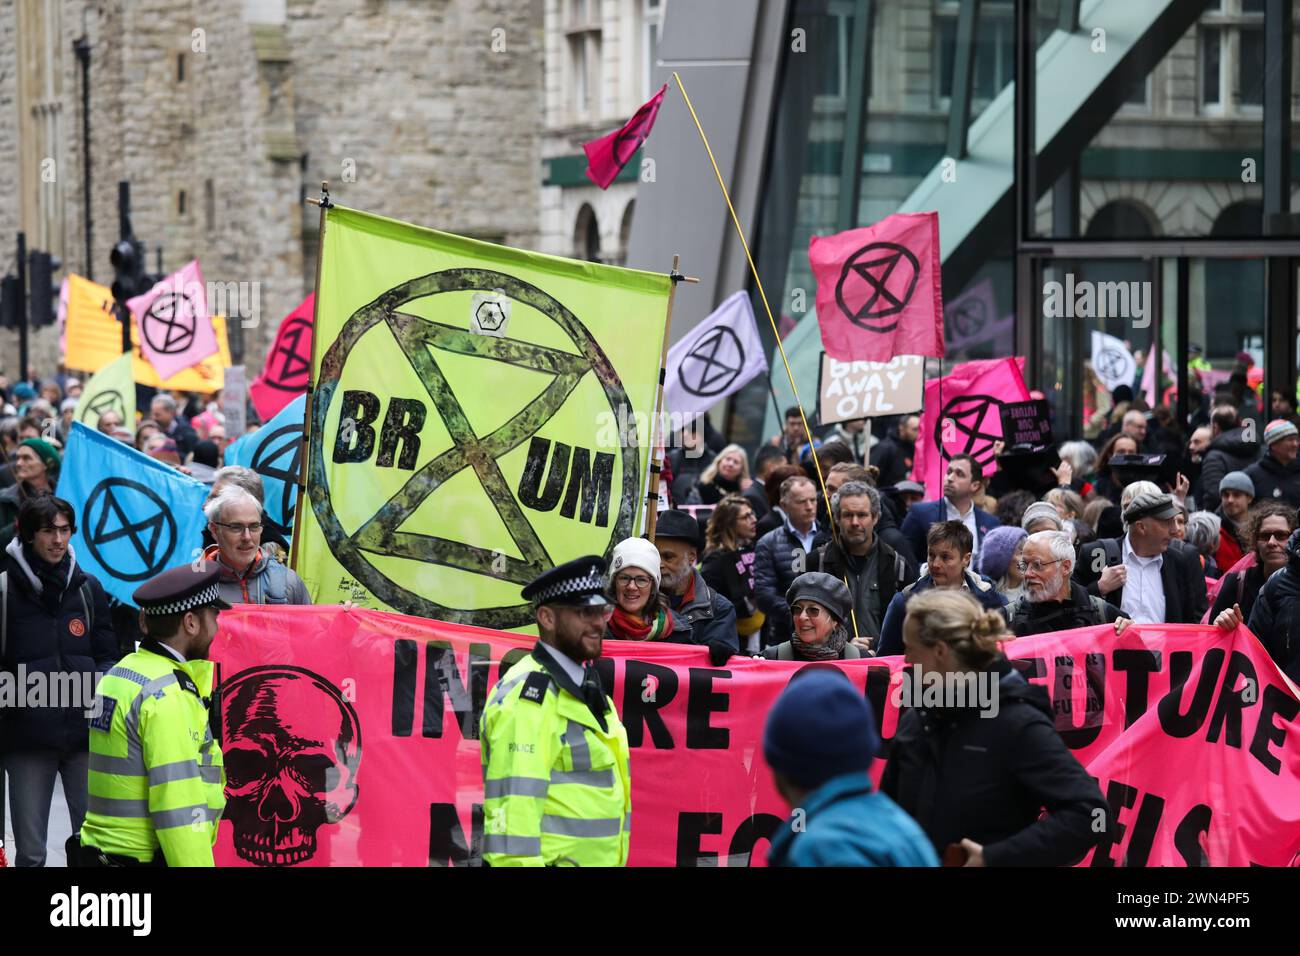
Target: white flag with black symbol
(717, 358)
(1112, 362)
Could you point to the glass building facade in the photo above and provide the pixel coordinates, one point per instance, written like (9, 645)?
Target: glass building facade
(1142, 151)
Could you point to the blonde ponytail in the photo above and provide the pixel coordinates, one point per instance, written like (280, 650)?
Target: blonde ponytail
(958, 620)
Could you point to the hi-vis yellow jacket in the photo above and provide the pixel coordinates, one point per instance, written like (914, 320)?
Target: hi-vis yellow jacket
(156, 778)
(556, 786)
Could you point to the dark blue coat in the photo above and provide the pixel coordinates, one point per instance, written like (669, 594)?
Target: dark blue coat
(707, 618)
(48, 642)
(845, 823)
(891, 629)
(925, 513)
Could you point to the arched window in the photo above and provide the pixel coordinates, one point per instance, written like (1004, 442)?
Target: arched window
(625, 231)
(586, 235)
(1120, 220)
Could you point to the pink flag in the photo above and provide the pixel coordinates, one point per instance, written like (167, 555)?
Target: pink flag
(880, 289)
(607, 156)
(1149, 390)
(172, 322)
(288, 363)
(963, 413)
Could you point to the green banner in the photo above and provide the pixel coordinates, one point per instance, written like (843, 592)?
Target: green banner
(111, 389)
(479, 415)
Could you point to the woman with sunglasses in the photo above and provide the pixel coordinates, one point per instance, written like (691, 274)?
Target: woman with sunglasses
(1269, 525)
(819, 606)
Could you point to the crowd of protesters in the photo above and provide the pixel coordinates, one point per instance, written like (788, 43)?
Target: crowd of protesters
(817, 547)
(57, 617)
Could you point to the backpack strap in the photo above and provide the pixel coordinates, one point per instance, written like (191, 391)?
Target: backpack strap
(1099, 608)
(4, 613)
(1241, 585)
(785, 651)
(88, 605)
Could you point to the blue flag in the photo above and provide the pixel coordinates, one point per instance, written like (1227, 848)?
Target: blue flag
(136, 516)
(274, 451)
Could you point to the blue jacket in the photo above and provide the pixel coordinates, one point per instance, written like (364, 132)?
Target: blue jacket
(891, 630)
(779, 558)
(845, 823)
(925, 513)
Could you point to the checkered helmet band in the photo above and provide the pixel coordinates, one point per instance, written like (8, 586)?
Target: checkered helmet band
(590, 583)
(202, 598)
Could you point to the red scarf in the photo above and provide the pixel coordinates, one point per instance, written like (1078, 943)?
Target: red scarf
(631, 627)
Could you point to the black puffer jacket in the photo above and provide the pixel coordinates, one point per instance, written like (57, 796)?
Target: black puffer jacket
(966, 774)
(1227, 452)
(1276, 481)
(53, 638)
(1275, 618)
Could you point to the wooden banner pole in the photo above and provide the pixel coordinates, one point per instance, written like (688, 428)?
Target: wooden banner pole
(656, 424)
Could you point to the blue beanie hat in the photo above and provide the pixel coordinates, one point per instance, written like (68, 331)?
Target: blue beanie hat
(820, 727)
(997, 549)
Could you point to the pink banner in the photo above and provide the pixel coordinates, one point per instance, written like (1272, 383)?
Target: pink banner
(963, 414)
(288, 363)
(350, 738)
(880, 289)
(172, 322)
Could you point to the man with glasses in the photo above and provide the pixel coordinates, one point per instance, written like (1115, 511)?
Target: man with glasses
(1052, 601)
(249, 575)
(556, 783)
(1144, 577)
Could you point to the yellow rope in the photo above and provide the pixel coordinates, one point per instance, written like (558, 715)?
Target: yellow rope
(776, 332)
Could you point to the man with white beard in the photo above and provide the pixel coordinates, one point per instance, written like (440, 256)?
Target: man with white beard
(1052, 601)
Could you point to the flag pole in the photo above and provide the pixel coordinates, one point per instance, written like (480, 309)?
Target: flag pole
(304, 459)
(656, 424)
(776, 332)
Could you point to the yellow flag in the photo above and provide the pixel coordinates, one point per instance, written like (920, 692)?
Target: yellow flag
(94, 338)
(481, 414)
(110, 389)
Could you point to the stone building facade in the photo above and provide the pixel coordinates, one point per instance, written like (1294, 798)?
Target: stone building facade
(599, 55)
(224, 117)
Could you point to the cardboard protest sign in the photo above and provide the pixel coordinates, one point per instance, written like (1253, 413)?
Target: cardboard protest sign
(1027, 423)
(849, 390)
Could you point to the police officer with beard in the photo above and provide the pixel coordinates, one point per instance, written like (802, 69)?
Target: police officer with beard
(556, 783)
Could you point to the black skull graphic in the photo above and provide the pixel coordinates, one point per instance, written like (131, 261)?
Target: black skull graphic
(292, 746)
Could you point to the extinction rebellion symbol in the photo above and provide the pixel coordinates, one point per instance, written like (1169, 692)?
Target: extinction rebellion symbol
(107, 401)
(976, 424)
(129, 529)
(384, 535)
(269, 461)
(715, 361)
(169, 324)
(290, 364)
(882, 276)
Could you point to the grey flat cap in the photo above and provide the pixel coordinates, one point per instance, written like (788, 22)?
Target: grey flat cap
(826, 589)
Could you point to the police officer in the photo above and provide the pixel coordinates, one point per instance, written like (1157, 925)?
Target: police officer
(156, 787)
(555, 756)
